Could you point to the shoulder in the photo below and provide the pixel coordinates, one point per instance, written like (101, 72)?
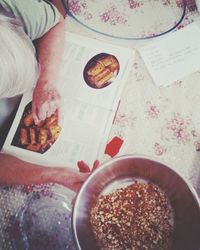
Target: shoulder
(37, 16)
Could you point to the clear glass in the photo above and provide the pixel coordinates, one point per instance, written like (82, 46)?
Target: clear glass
(44, 222)
(127, 19)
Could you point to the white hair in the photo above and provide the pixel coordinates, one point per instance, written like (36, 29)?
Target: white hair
(18, 64)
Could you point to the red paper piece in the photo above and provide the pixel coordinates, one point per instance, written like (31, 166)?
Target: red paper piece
(113, 147)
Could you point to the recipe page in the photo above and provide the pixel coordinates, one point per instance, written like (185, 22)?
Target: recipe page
(173, 56)
(91, 80)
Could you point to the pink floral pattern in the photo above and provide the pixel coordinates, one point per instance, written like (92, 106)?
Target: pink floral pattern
(112, 16)
(75, 7)
(134, 4)
(124, 122)
(152, 110)
(78, 7)
(179, 128)
(159, 150)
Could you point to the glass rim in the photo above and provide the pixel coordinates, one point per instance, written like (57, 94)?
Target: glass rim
(70, 14)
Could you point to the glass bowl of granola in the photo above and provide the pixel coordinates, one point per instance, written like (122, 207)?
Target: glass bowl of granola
(136, 202)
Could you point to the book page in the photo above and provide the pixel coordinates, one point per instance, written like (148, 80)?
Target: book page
(173, 56)
(78, 81)
(92, 78)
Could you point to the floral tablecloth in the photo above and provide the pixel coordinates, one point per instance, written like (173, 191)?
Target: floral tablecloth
(163, 122)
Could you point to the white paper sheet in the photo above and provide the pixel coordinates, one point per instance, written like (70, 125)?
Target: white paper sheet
(174, 56)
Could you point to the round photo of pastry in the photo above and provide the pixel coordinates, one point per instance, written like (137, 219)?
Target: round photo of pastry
(37, 138)
(101, 70)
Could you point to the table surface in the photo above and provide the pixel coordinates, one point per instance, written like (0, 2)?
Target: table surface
(162, 122)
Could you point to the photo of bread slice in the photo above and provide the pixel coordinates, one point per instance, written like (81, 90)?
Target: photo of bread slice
(32, 133)
(105, 79)
(96, 69)
(102, 74)
(34, 147)
(54, 131)
(43, 136)
(101, 70)
(23, 136)
(51, 120)
(37, 138)
(114, 66)
(108, 60)
(28, 120)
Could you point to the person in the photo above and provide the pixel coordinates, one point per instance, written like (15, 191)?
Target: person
(31, 47)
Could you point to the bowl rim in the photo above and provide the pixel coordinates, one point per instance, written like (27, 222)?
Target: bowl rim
(113, 160)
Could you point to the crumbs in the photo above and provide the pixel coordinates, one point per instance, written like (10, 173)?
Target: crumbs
(137, 217)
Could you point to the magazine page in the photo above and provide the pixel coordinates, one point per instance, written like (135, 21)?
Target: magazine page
(81, 136)
(93, 71)
(91, 80)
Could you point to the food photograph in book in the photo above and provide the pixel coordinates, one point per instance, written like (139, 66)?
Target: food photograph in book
(101, 70)
(37, 138)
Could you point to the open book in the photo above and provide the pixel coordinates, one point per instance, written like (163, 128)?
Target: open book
(92, 77)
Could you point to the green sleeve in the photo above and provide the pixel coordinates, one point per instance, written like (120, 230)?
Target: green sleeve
(37, 16)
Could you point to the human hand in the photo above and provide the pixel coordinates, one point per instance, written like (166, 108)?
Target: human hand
(73, 179)
(70, 178)
(84, 168)
(46, 100)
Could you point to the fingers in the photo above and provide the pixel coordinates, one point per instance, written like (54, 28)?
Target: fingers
(83, 167)
(82, 177)
(45, 110)
(70, 178)
(77, 181)
(49, 109)
(95, 165)
(45, 103)
(39, 114)
(34, 112)
(84, 173)
(77, 185)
